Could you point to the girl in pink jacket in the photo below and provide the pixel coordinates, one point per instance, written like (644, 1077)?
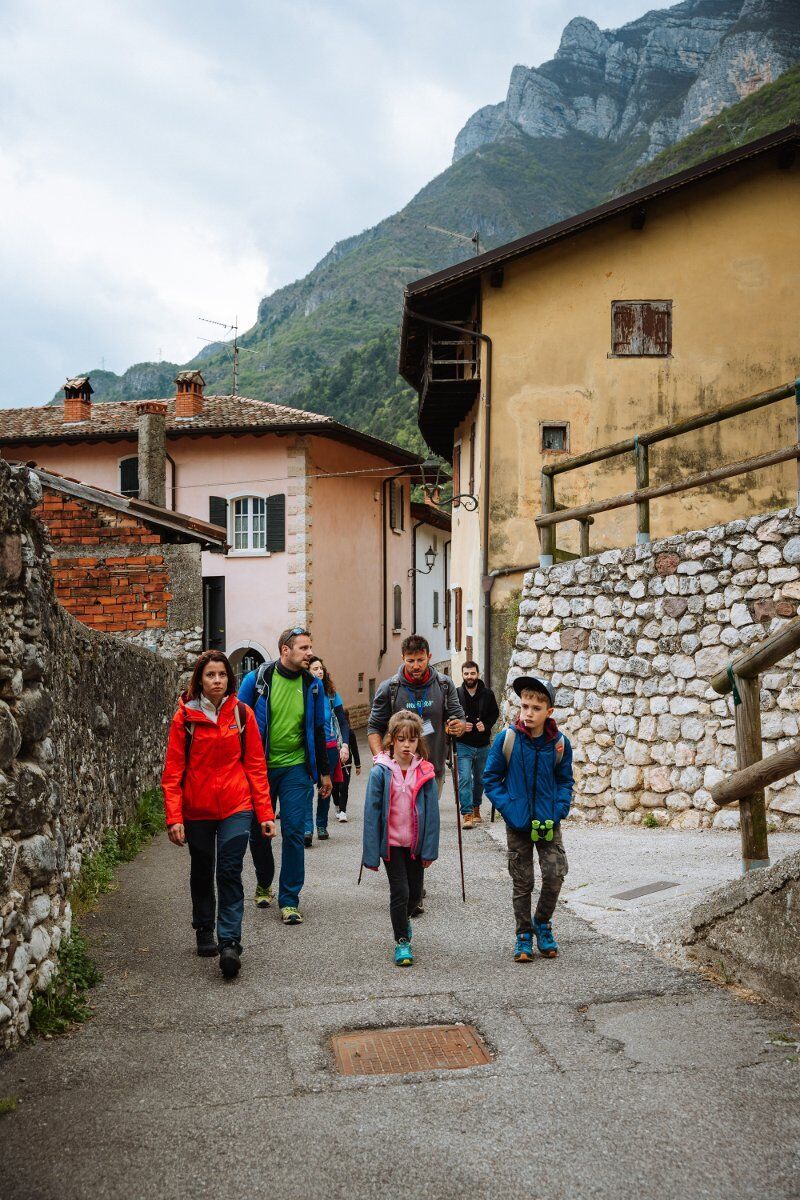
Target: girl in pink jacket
(401, 822)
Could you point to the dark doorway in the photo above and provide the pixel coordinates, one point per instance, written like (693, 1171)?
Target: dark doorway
(214, 612)
(244, 661)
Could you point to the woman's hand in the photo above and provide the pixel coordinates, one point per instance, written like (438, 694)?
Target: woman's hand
(426, 862)
(268, 829)
(358, 770)
(344, 753)
(177, 834)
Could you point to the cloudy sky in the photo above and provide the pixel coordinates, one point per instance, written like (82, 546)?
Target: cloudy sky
(163, 159)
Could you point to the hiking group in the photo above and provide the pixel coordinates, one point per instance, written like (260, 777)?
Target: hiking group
(233, 761)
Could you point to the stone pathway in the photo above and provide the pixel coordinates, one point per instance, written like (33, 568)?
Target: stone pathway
(616, 1074)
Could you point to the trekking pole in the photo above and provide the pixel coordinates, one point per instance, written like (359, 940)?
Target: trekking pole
(454, 759)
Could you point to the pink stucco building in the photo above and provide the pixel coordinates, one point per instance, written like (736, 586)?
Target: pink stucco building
(317, 514)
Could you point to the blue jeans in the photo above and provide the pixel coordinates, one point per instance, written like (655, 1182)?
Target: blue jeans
(225, 841)
(471, 762)
(292, 789)
(323, 805)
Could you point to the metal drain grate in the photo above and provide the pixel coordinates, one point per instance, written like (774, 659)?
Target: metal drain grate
(413, 1048)
(644, 890)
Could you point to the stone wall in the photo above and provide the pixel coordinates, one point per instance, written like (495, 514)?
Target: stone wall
(631, 638)
(83, 723)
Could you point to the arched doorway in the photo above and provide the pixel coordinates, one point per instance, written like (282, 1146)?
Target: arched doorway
(246, 658)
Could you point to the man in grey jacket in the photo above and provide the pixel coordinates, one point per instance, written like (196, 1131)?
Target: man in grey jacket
(433, 697)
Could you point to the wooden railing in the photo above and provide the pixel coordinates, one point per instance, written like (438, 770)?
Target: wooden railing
(553, 514)
(754, 773)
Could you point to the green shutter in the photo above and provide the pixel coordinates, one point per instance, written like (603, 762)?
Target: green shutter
(276, 523)
(218, 511)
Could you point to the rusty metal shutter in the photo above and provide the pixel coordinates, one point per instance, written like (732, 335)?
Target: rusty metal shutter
(641, 328)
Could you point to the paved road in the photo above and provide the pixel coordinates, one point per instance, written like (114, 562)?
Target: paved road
(616, 1074)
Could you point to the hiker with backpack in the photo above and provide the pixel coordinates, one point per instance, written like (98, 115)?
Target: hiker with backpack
(337, 734)
(289, 706)
(215, 785)
(341, 791)
(528, 779)
(472, 748)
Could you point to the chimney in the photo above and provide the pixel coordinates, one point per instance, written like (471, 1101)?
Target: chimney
(77, 401)
(189, 394)
(152, 416)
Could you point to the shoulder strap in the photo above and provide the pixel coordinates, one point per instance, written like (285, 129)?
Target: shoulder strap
(261, 679)
(188, 734)
(508, 744)
(394, 688)
(241, 720)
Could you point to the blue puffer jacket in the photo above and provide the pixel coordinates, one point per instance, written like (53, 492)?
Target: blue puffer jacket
(534, 785)
(376, 815)
(256, 693)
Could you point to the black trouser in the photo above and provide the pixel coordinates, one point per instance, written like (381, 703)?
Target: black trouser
(406, 875)
(225, 841)
(341, 791)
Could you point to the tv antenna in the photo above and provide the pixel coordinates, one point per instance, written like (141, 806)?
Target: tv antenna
(237, 349)
(473, 239)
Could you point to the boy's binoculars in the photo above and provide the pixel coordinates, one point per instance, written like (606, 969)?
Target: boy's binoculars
(543, 830)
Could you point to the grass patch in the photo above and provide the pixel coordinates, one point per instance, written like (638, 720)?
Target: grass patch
(65, 1001)
(650, 821)
(8, 1104)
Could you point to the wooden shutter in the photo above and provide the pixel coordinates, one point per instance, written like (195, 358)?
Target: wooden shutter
(392, 505)
(398, 607)
(402, 502)
(218, 511)
(456, 475)
(472, 460)
(457, 605)
(641, 328)
(276, 523)
(447, 611)
(436, 608)
(129, 477)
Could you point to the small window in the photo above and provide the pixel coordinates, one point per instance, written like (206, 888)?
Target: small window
(250, 524)
(129, 477)
(361, 681)
(641, 328)
(397, 515)
(457, 617)
(456, 475)
(470, 620)
(436, 608)
(372, 684)
(554, 435)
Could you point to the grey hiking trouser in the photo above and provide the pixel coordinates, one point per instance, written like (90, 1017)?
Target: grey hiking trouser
(553, 865)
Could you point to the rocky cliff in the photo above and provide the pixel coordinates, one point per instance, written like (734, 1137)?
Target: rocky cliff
(657, 78)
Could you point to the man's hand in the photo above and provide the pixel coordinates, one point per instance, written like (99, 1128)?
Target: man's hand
(325, 786)
(268, 829)
(177, 834)
(358, 770)
(470, 726)
(479, 725)
(344, 753)
(455, 728)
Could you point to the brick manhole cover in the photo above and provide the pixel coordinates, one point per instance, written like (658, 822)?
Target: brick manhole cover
(644, 890)
(412, 1048)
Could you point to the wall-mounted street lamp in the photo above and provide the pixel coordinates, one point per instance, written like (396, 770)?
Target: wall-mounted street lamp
(430, 559)
(432, 489)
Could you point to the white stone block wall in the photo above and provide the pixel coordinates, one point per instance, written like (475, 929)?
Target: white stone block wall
(630, 640)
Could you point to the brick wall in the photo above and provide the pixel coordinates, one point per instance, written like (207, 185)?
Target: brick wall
(78, 522)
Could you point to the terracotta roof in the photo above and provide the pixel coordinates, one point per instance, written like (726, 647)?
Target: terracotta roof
(187, 528)
(431, 516)
(220, 415)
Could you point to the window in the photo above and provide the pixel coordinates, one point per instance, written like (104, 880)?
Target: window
(397, 515)
(371, 690)
(397, 622)
(129, 476)
(456, 474)
(472, 460)
(447, 618)
(641, 328)
(361, 681)
(258, 523)
(436, 608)
(457, 622)
(554, 435)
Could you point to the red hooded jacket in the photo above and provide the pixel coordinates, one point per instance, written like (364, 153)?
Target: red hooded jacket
(218, 781)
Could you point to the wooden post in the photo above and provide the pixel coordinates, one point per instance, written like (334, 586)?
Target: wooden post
(797, 426)
(585, 525)
(752, 808)
(547, 536)
(641, 456)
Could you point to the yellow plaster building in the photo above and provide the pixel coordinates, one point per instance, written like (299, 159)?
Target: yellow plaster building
(666, 302)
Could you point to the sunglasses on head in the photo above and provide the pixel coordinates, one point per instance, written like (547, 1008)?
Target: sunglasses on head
(297, 631)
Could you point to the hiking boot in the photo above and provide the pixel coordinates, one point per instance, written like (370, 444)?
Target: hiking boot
(229, 960)
(322, 835)
(206, 942)
(468, 821)
(418, 911)
(264, 896)
(548, 946)
(291, 915)
(403, 954)
(523, 948)
(342, 816)
(308, 841)
(476, 816)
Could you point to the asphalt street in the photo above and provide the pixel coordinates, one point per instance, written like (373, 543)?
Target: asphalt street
(616, 1073)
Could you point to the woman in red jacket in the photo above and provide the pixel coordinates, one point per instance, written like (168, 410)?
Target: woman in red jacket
(214, 776)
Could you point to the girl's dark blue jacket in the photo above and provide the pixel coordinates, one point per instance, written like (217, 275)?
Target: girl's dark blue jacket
(376, 817)
(534, 785)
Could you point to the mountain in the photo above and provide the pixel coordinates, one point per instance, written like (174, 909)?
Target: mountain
(569, 134)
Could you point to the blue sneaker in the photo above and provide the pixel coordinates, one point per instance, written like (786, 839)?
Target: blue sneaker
(403, 954)
(548, 946)
(523, 948)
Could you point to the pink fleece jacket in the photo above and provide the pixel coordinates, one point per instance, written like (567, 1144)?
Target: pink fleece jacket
(402, 793)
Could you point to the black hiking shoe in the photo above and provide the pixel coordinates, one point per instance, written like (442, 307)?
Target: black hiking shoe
(229, 960)
(206, 943)
(308, 841)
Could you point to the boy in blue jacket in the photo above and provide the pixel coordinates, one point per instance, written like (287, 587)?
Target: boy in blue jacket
(528, 779)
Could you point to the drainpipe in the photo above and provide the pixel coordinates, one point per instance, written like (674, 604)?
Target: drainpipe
(414, 529)
(174, 487)
(384, 553)
(486, 580)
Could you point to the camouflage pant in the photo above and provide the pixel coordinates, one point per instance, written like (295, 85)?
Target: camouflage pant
(552, 864)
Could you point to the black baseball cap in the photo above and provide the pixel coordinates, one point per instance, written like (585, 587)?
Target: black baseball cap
(530, 681)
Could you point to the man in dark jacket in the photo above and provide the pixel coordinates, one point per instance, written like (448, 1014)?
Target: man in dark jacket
(472, 748)
(290, 710)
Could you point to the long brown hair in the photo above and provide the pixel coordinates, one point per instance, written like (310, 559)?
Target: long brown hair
(327, 682)
(195, 688)
(406, 721)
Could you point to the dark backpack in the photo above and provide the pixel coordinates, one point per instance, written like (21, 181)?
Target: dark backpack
(240, 716)
(395, 685)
